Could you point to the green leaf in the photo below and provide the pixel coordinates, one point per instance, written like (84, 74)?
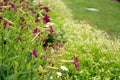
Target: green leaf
(11, 77)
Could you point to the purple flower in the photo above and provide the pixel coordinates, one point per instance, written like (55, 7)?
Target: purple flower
(1, 3)
(34, 53)
(5, 2)
(36, 19)
(44, 41)
(5, 24)
(40, 6)
(51, 30)
(46, 9)
(35, 30)
(14, 7)
(32, 11)
(76, 63)
(46, 18)
(23, 23)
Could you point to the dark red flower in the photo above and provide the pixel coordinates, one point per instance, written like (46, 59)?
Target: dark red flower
(32, 11)
(46, 18)
(44, 41)
(51, 30)
(40, 6)
(5, 24)
(23, 23)
(76, 63)
(34, 53)
(46, 9)
(35, 30)
(1, 3)
(10, 24)
(14, 7)
(5, 2)
(36, 19)
(21, 1)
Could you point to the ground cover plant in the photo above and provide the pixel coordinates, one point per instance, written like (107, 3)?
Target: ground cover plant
(107, 14)
(46, 43)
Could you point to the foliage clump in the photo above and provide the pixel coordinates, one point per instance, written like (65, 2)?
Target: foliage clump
(26, 34)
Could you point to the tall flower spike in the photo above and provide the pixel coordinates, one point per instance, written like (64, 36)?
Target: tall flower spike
(46, 18)
(76, 63)
(34, 53)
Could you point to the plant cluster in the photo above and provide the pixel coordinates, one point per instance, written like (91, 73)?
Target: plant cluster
(27, 36)
(98, 55)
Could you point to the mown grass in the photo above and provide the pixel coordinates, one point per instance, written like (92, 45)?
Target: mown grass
(107, 18)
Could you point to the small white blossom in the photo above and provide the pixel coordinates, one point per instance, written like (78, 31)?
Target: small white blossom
(64, 68)
(38, 17)
(34, 1)
(81, 72)
(59, 74)
(51, 77)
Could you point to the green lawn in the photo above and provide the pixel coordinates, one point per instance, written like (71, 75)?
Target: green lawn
(107, 18)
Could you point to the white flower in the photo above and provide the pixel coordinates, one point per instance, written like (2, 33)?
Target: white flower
(51, 77)
(34, 1)
(59, 74)
(81, 72)
(64, 68)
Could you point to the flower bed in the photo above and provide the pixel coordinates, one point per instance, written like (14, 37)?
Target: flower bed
(27, 38)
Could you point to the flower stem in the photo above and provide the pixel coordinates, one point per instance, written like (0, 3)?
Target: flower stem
(67, 61)
(44, 64)
(8, 20)
(5, 6)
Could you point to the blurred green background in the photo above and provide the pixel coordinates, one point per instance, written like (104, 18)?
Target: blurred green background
(106, 18)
